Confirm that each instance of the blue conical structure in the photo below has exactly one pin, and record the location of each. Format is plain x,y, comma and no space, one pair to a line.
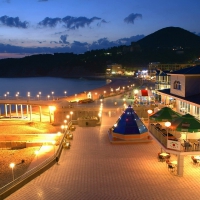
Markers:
129,123
129,126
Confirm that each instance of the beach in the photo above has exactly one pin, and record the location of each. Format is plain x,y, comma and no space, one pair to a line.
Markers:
8,156
27,127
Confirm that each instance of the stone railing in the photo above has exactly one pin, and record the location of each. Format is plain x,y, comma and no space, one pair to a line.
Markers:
19,182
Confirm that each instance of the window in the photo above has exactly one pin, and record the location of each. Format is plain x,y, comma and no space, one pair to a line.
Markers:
177,85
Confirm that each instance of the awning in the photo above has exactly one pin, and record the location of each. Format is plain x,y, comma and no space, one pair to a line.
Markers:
145,93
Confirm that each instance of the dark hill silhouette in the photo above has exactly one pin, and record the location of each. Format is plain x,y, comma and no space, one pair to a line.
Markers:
170,37
136,56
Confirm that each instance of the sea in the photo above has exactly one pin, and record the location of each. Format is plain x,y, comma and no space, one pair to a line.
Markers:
12,88
44,88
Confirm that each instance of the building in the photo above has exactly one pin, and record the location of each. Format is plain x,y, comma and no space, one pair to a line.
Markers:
184,97
184,92
153,66
115,69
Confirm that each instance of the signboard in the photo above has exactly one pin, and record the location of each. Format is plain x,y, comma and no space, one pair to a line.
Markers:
175,145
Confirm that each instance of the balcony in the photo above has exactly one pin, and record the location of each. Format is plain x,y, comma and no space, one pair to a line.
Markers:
174,144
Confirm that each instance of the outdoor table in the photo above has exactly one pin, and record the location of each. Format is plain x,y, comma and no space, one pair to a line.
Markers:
197,157
164,154
174,162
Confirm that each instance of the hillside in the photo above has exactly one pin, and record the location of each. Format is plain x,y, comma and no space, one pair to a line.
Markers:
170,37
168,45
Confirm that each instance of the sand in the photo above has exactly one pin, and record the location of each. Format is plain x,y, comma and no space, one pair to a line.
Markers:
16,156
26,127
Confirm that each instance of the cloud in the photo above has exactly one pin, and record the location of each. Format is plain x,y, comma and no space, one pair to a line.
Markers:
75,47
51,22
132,17
70,22
63,39
77,22
13,22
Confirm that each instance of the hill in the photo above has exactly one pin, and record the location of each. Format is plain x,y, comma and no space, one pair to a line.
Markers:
170,37
168,45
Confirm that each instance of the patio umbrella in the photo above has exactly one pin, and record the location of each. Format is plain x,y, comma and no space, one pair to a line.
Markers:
187,124
164,114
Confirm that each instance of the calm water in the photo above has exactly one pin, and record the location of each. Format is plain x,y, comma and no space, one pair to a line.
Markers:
45,85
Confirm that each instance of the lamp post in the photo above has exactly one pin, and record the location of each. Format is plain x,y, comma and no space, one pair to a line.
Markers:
28,94
149,113
53,142
71,113
65,93
52,95
12,165
167,124
36,153
67,118
40,96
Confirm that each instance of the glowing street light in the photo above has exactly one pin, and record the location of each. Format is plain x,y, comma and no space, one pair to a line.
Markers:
65,93
52,95
38,96
36,153
54,142
48,97
71,113
167,124
12,165
149,113
51,110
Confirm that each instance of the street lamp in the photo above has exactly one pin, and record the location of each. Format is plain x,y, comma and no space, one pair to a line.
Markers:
38,96
36,153
28,94
65,92
149,113
48,97
52,95
12,165
71,113
53,142
167,124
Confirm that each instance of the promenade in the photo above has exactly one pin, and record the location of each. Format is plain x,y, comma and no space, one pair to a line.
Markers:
94,168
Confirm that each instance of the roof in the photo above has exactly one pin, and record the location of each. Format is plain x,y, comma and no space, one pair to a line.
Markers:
129,123
193,98
162,73
188,70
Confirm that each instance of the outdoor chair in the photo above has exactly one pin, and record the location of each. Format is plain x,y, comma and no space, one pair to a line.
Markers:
195,162
167,162
161,158
171,167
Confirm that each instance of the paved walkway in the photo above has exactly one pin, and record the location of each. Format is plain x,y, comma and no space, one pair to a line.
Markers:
95,169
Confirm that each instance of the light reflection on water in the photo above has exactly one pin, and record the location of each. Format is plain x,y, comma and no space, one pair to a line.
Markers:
45,85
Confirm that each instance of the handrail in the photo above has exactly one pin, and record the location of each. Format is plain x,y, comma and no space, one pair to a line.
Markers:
32,173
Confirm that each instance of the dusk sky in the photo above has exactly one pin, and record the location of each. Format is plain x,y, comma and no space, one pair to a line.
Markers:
50,26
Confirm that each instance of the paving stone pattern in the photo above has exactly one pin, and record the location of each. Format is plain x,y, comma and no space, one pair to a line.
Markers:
95,169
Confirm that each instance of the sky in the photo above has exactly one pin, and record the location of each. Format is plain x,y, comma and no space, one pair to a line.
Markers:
60,26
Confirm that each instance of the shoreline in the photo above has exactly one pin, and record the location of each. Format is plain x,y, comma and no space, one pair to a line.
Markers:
7,156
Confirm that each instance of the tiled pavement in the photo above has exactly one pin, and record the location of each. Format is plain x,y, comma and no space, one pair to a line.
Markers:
95,169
